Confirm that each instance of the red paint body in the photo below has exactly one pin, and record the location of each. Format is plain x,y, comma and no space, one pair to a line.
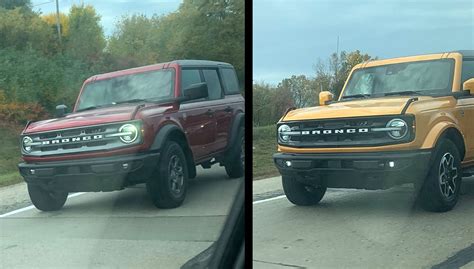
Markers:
206,135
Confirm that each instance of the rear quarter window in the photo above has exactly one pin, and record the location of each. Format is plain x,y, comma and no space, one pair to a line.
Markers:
467,69
231,84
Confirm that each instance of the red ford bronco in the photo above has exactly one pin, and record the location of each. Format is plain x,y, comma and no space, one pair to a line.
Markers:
152,124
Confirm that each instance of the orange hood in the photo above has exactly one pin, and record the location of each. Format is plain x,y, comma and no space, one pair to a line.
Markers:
366,107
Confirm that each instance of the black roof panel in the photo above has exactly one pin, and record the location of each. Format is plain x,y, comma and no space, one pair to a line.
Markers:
466,53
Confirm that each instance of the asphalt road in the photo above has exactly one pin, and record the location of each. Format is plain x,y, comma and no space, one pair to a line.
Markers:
115,229
360,229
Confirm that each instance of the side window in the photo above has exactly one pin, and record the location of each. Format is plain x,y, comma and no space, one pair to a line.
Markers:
213,83
189,77
467,69
230,81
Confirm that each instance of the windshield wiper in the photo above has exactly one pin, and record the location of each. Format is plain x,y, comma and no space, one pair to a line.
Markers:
90,108
137,100
404,93
359,95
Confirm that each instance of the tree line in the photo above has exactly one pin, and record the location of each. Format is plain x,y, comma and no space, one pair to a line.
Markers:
270,101
38,70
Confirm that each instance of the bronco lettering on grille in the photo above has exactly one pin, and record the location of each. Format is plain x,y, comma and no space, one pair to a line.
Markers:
337,131
72,139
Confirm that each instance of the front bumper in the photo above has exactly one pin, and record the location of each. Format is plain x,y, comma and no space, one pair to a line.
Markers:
95,174
374,170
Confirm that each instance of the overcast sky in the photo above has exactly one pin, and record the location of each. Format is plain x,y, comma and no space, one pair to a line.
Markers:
290,36
111,10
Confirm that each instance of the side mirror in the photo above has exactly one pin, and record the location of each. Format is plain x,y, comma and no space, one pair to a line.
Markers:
61,111
196,91
469,86
324,97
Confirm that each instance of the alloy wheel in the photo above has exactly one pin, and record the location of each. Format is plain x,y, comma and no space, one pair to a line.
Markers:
448,175
176,175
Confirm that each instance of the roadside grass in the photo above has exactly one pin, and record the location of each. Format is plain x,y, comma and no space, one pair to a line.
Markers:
264,146
9,155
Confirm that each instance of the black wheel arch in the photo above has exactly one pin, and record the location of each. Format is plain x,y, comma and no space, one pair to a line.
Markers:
171,132
238,122
456,137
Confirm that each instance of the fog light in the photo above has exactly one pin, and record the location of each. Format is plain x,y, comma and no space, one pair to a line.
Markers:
125,166
32,171
391,164
288,163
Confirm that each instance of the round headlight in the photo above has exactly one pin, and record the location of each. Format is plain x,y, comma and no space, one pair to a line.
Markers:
283,129
129,133
399,128
26,141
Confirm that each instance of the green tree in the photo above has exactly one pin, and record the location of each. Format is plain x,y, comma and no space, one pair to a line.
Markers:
24,30
12,4
206,29
86,37
341,65
135,41
302,90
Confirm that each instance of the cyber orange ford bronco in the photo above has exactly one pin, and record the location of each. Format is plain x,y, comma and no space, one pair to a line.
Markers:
396,121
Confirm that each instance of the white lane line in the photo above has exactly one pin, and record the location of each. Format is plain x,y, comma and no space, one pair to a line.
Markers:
31,206
269,199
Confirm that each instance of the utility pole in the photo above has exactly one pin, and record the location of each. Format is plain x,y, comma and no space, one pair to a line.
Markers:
58,25
337,57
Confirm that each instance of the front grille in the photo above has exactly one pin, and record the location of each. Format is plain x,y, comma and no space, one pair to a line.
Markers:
346,132
77,140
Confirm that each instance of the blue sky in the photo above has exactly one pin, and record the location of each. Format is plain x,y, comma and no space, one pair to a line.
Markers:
111,10
290,36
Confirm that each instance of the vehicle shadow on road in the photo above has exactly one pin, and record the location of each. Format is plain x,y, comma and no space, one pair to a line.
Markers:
210,186
397,200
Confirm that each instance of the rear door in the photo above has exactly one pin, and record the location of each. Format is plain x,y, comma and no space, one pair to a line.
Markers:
221,110
466,108
197,117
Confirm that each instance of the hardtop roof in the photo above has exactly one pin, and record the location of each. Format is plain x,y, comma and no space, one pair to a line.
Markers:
182,63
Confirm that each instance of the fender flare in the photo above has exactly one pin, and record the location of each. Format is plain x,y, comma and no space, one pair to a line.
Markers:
239,121
162,136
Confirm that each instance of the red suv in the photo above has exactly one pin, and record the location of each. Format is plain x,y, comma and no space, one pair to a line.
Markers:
152,124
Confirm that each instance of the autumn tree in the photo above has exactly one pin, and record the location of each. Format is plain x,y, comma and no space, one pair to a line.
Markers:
86,39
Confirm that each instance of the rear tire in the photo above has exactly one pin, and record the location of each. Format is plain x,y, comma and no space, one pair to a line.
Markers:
45,200
168,185
302,194
440,191
235,164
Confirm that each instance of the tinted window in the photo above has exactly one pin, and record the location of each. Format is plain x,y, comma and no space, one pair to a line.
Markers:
467,69
155,85
189,77
230,81
431,77
213,83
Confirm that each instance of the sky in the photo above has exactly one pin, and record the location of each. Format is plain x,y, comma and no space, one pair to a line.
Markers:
111,10
290,36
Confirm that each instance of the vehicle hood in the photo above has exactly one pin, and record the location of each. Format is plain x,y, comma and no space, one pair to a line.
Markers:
117,113
362,108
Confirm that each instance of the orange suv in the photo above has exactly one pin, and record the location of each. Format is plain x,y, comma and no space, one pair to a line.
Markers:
396,121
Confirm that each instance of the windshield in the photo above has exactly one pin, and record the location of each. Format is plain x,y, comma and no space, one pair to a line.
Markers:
153,86
423,78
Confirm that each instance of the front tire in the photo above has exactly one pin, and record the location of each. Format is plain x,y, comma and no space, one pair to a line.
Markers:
45,200
235,165
440,191
168,185
302,194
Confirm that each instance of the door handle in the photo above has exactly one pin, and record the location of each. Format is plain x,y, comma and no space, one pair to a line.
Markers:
228,109
210,112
